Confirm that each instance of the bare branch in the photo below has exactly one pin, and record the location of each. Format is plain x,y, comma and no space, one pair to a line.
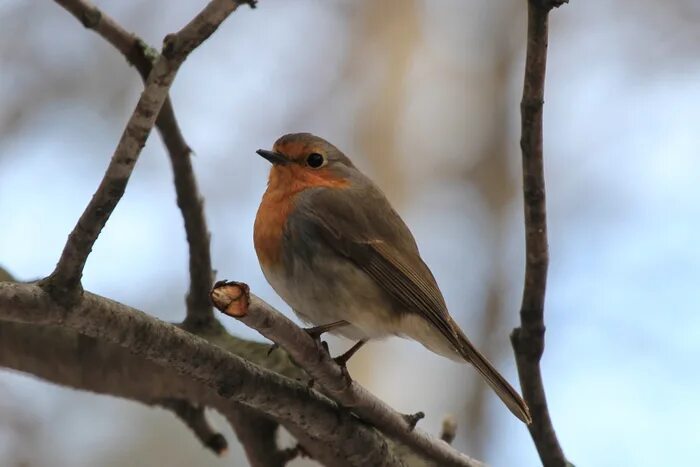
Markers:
235,300
223,373
138,54
528,339
199,309
64,357
64,281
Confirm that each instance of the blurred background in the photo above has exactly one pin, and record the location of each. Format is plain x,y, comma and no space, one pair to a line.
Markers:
424,96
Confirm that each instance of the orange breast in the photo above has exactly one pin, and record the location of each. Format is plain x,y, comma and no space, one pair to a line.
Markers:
284,184
269,226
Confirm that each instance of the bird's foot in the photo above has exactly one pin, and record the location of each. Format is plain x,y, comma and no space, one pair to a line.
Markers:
342,360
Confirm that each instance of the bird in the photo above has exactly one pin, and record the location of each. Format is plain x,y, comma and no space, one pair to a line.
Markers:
334,249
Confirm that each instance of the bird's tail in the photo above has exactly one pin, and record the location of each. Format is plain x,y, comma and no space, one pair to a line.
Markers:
498,383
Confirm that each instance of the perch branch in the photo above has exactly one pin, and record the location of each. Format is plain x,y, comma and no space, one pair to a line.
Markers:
64,281
528,339
234,299
224,374
139,55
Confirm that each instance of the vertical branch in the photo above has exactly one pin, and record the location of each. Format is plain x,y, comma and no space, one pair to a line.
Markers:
528,339
199,309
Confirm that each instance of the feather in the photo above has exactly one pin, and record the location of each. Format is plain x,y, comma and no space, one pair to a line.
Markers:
356,226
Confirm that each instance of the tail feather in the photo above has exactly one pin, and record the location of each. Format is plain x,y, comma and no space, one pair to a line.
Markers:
498,383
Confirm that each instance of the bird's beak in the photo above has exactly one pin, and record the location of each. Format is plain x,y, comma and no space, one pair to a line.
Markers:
274,157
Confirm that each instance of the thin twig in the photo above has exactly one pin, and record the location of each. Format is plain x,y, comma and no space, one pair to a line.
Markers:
234,299
194,417
64,282
258,434
227,375
528,339
142,57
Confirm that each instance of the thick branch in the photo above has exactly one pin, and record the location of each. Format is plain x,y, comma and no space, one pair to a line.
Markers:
64,282
235,300
223,373
64,357
528,339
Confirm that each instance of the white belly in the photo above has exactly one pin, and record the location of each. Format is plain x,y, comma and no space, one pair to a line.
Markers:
322,300
340,291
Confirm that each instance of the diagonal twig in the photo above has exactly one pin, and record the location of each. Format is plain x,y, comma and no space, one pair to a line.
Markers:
64,282
234,299
528,339
189,200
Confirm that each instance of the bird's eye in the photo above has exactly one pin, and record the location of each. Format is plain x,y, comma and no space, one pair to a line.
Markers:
315,160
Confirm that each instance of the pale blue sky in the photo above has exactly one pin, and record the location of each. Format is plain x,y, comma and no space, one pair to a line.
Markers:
623,174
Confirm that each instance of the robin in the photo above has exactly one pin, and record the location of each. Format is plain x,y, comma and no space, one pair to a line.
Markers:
334,249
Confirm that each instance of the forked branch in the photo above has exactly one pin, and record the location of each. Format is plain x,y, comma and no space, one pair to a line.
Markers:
64,282
189,200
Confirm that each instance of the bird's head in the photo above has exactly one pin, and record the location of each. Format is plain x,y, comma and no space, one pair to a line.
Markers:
302,160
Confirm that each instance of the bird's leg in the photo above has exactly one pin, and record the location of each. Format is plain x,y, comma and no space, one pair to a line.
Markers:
316,331
342,360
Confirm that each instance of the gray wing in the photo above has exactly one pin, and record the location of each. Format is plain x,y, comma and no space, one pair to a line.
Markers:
365,229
